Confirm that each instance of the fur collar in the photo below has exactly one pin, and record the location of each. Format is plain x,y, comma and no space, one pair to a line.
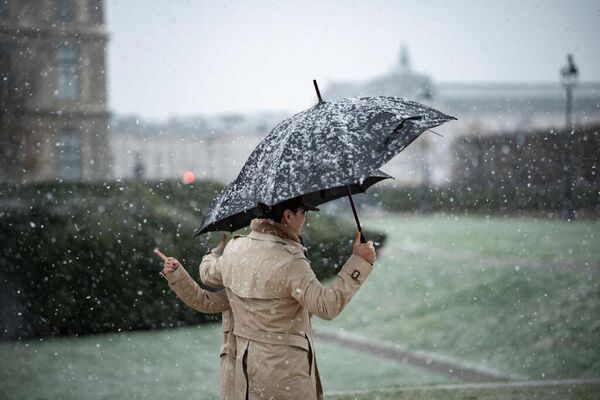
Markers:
271,227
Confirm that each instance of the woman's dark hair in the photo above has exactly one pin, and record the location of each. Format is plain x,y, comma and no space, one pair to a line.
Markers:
275,212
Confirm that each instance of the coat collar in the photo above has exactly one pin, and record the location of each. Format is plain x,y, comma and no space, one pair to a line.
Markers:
270,227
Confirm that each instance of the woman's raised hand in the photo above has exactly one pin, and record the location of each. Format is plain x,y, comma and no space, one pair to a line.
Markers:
170,264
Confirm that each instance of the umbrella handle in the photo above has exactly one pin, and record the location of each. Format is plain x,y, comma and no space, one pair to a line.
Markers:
362,236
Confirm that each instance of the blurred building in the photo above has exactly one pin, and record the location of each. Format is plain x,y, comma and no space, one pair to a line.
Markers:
216,147
53,108
481,109
529,160
213,148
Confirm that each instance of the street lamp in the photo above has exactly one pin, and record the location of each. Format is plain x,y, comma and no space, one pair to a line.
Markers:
568,75
425,202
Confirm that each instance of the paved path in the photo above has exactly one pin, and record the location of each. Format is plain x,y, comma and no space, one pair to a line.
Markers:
450,368
578,389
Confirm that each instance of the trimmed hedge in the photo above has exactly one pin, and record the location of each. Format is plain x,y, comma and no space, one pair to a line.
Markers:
489,201
77,258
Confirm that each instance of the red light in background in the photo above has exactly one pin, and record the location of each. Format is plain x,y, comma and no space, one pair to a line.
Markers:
188,177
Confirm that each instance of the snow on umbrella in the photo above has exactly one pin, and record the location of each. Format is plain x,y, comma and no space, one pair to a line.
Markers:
321,154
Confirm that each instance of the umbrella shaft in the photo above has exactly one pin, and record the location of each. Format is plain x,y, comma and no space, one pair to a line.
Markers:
318,91
362,236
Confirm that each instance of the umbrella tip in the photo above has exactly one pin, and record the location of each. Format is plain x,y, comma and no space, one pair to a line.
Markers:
317,90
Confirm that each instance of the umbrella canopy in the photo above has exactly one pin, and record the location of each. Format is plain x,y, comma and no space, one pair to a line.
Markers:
232,210
318,153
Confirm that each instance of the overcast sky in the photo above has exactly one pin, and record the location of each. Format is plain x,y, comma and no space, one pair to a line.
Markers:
179,57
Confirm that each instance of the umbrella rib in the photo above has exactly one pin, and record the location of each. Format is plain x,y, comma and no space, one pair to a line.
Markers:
431,130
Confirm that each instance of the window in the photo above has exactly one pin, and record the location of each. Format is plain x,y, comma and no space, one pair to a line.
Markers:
4,66
67,76
3,9
63,10
96,11
69,155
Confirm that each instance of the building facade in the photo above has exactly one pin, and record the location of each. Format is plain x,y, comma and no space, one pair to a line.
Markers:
481,109
213,148
53,91
216,147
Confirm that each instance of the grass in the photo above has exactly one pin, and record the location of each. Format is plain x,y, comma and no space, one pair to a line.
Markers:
442,286
180,363
528,238
173,364
519,296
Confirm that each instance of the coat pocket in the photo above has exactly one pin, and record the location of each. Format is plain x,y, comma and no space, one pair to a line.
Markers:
302,357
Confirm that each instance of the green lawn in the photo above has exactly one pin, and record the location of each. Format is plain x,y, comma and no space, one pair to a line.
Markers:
520,296
175,364
180,363
529,238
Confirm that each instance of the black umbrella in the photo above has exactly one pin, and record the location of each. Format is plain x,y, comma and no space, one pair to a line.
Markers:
322,153
238,203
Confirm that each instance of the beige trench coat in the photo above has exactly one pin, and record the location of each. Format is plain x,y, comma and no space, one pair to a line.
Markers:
188,290
273,292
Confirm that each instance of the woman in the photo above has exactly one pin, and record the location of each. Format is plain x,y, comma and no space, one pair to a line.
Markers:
188,290
273,292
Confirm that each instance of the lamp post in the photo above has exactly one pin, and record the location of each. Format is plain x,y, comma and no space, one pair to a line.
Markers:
568,75
425,202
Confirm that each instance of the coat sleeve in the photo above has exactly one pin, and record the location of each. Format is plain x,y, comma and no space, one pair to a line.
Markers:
326,302
188,291
210,269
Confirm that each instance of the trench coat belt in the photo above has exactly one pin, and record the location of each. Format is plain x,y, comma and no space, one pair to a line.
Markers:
288,339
